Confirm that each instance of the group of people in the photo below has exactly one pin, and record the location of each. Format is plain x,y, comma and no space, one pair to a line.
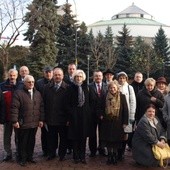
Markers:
109,111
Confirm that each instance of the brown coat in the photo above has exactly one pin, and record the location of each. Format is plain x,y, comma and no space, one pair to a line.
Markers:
31,111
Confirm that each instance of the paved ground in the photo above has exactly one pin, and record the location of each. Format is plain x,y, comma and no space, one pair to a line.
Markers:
98,163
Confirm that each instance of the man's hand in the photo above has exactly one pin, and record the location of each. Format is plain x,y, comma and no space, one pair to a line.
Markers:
16,125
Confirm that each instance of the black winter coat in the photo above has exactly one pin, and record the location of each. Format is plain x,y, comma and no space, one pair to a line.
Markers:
111,130
55,113
79,117
144,99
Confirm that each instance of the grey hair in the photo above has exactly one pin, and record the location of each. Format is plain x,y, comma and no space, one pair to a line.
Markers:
77,72
27,77
12,70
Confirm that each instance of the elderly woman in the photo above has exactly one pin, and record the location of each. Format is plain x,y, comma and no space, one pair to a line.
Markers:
162,85
78,111
114,120
149,95
149,132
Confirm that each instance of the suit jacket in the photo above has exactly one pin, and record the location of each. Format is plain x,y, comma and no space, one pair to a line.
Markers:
96,101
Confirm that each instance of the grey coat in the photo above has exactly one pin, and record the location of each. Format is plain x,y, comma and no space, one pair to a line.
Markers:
166,114
144,137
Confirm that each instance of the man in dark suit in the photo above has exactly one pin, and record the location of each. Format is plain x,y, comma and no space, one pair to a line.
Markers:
55,115
40,86
97,90
68,78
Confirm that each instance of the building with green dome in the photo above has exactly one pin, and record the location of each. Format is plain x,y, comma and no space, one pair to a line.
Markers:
138,22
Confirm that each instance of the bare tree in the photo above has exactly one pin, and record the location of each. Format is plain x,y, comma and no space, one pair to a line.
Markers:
11,23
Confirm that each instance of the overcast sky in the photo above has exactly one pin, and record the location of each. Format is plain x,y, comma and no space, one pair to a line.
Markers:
91,11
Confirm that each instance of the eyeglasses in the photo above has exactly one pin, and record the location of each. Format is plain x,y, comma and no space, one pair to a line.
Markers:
30,82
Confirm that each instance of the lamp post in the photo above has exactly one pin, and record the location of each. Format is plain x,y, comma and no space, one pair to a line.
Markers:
75,34
88,70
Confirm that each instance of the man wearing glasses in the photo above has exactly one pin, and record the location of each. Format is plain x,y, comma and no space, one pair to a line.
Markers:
27,113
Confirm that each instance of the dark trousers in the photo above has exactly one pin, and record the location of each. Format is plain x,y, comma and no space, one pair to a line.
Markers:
93,138
53,132
44,140
79,149
26,143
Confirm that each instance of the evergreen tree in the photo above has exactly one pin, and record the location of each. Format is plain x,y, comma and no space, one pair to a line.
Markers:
67,37
42,21
161,46
109,50
83,46
144,58
162,50
124,50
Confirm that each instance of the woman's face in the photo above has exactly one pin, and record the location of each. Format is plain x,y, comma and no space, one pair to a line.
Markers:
113,89
150,113
150,86
79,78
161,86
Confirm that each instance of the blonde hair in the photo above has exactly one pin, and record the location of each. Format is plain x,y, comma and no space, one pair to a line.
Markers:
150,81
114,82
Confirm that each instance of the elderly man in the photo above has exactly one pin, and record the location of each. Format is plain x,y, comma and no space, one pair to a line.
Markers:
27,113
8,87
55,115
23,71
40,86
97,90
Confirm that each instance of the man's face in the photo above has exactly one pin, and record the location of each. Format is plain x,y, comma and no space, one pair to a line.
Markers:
58,75
12,77
98,77
48,75
24,71
29,83
71,69
109,77
138,77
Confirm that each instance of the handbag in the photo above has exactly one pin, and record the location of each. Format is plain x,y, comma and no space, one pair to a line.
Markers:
161,154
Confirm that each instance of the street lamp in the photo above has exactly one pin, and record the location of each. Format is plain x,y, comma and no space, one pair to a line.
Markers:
75,35
88,70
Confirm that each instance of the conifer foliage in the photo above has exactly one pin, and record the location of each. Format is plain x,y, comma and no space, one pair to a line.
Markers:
42,21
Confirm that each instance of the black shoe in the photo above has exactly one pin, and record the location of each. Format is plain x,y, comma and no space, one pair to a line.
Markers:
83,161
49,158
62,159
114,159
31,161
22,163
76,161
7,158
102,152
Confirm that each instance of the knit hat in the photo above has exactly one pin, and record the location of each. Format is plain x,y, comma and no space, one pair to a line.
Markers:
122,73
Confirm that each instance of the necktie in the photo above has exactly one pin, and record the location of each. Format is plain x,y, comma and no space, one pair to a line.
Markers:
98,90
31,93
56,87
